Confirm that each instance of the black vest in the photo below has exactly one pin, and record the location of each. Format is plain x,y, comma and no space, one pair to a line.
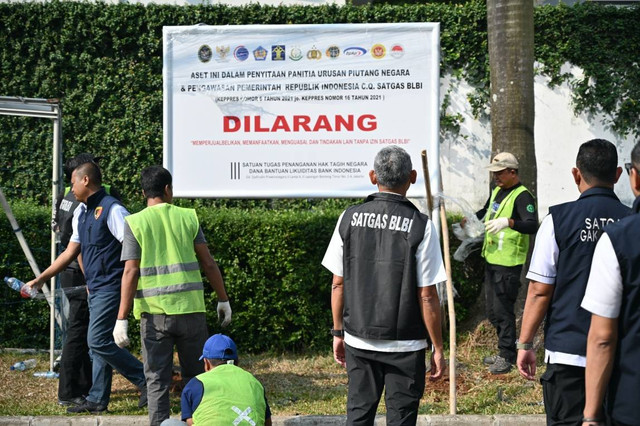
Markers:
381,237
64,217
577,226
622,397
100,249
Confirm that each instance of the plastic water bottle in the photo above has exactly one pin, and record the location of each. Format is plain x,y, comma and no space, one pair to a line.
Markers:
24,365
46,374
17,285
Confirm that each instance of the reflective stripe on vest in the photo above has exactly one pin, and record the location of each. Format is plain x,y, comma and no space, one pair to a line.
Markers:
170,281
231,396
508,247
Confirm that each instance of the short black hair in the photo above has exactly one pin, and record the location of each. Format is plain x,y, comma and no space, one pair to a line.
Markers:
597,161
72,163
154,179
635,156
91,170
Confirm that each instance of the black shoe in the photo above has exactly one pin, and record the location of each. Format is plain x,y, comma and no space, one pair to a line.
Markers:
88,407
78,400
500,366
143,401
488,360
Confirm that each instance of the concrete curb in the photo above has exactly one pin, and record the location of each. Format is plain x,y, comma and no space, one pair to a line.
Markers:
423,420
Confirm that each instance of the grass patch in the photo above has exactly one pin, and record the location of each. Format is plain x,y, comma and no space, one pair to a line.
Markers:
303,385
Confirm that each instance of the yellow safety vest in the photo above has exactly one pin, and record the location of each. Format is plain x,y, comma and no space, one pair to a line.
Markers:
508,247
231,396
170,281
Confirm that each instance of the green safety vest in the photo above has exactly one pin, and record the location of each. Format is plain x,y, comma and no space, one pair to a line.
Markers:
231,396
508,247
170,281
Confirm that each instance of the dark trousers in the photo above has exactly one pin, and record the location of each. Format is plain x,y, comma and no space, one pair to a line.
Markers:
159,334
501,291
401,374
563,391
75,363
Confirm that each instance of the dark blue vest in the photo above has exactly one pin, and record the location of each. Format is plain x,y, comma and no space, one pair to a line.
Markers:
381,237
100,249
577,226
624,385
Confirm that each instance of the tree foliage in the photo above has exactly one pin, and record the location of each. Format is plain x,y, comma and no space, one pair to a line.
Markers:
104,62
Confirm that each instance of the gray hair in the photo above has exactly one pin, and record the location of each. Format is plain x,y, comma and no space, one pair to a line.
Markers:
392,166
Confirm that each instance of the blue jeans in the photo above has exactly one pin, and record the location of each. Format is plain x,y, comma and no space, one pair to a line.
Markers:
103,312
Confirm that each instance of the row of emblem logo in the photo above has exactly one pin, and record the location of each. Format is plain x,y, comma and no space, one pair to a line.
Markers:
280,52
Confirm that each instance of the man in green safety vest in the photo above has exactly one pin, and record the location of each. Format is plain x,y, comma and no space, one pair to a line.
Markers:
510,216
163,250
225,394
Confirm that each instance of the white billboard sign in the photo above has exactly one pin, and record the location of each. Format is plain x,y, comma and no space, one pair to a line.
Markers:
266,111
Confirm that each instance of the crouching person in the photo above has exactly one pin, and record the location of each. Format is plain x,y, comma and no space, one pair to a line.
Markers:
224,394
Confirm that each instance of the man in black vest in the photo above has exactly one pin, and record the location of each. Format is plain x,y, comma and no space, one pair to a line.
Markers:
386,261
75,362
98,228
613,298
558,272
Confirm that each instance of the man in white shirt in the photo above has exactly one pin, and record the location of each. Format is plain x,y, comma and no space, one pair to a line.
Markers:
558,272
386,262
613,298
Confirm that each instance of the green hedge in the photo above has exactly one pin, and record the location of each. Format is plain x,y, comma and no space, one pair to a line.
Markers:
104,62
24,323
270,261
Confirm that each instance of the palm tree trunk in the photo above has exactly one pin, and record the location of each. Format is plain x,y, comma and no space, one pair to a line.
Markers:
510,34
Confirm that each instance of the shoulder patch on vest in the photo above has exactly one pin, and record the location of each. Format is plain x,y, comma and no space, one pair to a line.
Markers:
97,212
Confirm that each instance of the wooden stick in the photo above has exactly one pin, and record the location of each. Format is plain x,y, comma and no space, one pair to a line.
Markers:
450,304
427,180
452,309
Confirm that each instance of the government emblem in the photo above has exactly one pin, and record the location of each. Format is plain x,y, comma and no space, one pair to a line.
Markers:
205,53
97,212
314,53
260,53
278,52
354,51
240,53
223,53
295,54
378,51
396,51
333,51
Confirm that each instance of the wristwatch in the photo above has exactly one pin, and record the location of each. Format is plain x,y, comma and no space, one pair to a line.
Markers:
337,333
526,346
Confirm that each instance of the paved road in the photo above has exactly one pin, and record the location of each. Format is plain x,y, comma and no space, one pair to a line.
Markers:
498,420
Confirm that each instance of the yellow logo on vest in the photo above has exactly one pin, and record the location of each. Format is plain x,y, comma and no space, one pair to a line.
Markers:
98,212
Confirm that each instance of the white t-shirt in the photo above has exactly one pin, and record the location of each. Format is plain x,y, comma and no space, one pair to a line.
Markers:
115,221
543,268
603,296
430,271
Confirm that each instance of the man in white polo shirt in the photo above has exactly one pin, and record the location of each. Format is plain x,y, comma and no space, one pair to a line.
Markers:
613,298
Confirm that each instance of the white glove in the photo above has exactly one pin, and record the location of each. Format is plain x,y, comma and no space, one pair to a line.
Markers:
120,333
224,311
496,225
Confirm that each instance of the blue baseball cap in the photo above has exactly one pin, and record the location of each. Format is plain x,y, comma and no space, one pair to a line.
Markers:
219,346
